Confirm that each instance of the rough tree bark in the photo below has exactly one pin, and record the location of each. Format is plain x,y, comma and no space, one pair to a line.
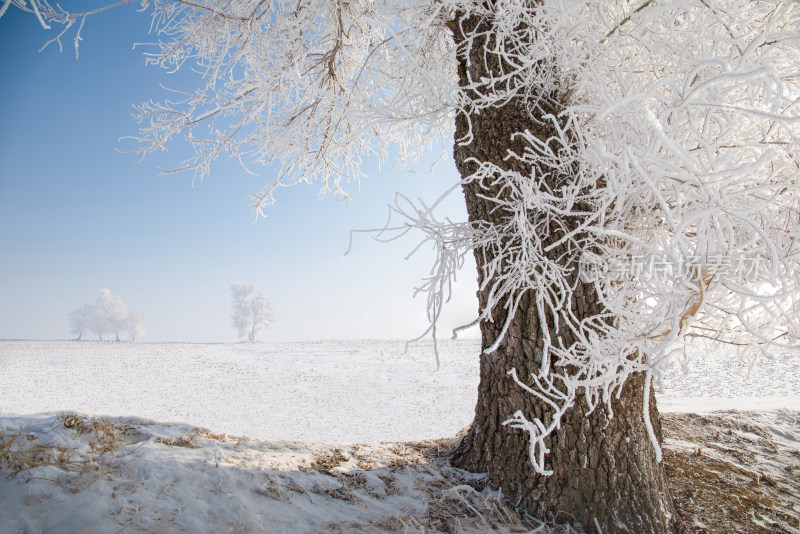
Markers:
605,471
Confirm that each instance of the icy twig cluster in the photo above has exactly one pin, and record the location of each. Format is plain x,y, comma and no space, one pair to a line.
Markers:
46,14
314,87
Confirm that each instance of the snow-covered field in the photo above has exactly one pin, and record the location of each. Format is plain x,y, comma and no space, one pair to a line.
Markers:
148,467
354,391
331,391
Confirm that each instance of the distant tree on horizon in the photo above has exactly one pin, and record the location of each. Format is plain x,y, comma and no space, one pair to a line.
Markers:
135,324
252,311
115,310
79,319
96,321
108,313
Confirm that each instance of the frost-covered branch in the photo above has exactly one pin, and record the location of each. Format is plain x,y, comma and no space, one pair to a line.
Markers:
46,14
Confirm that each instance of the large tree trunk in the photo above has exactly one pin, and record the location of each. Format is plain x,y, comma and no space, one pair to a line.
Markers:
605,473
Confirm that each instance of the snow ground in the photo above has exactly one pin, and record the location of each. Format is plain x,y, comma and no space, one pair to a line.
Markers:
150,468
335,392
332,391
734,472
74,474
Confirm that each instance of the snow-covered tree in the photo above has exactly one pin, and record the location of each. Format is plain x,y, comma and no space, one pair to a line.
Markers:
629,169
115,311
135,324
80,319
252,311
106,314
97,322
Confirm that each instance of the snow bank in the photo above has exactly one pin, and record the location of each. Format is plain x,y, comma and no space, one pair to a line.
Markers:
69,473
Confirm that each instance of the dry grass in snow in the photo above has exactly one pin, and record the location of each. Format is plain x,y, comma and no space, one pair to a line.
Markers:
733,472
70,473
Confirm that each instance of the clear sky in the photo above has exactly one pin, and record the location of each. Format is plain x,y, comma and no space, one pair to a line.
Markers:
77,215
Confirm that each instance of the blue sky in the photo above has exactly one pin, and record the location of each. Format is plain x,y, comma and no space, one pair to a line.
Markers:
77,215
